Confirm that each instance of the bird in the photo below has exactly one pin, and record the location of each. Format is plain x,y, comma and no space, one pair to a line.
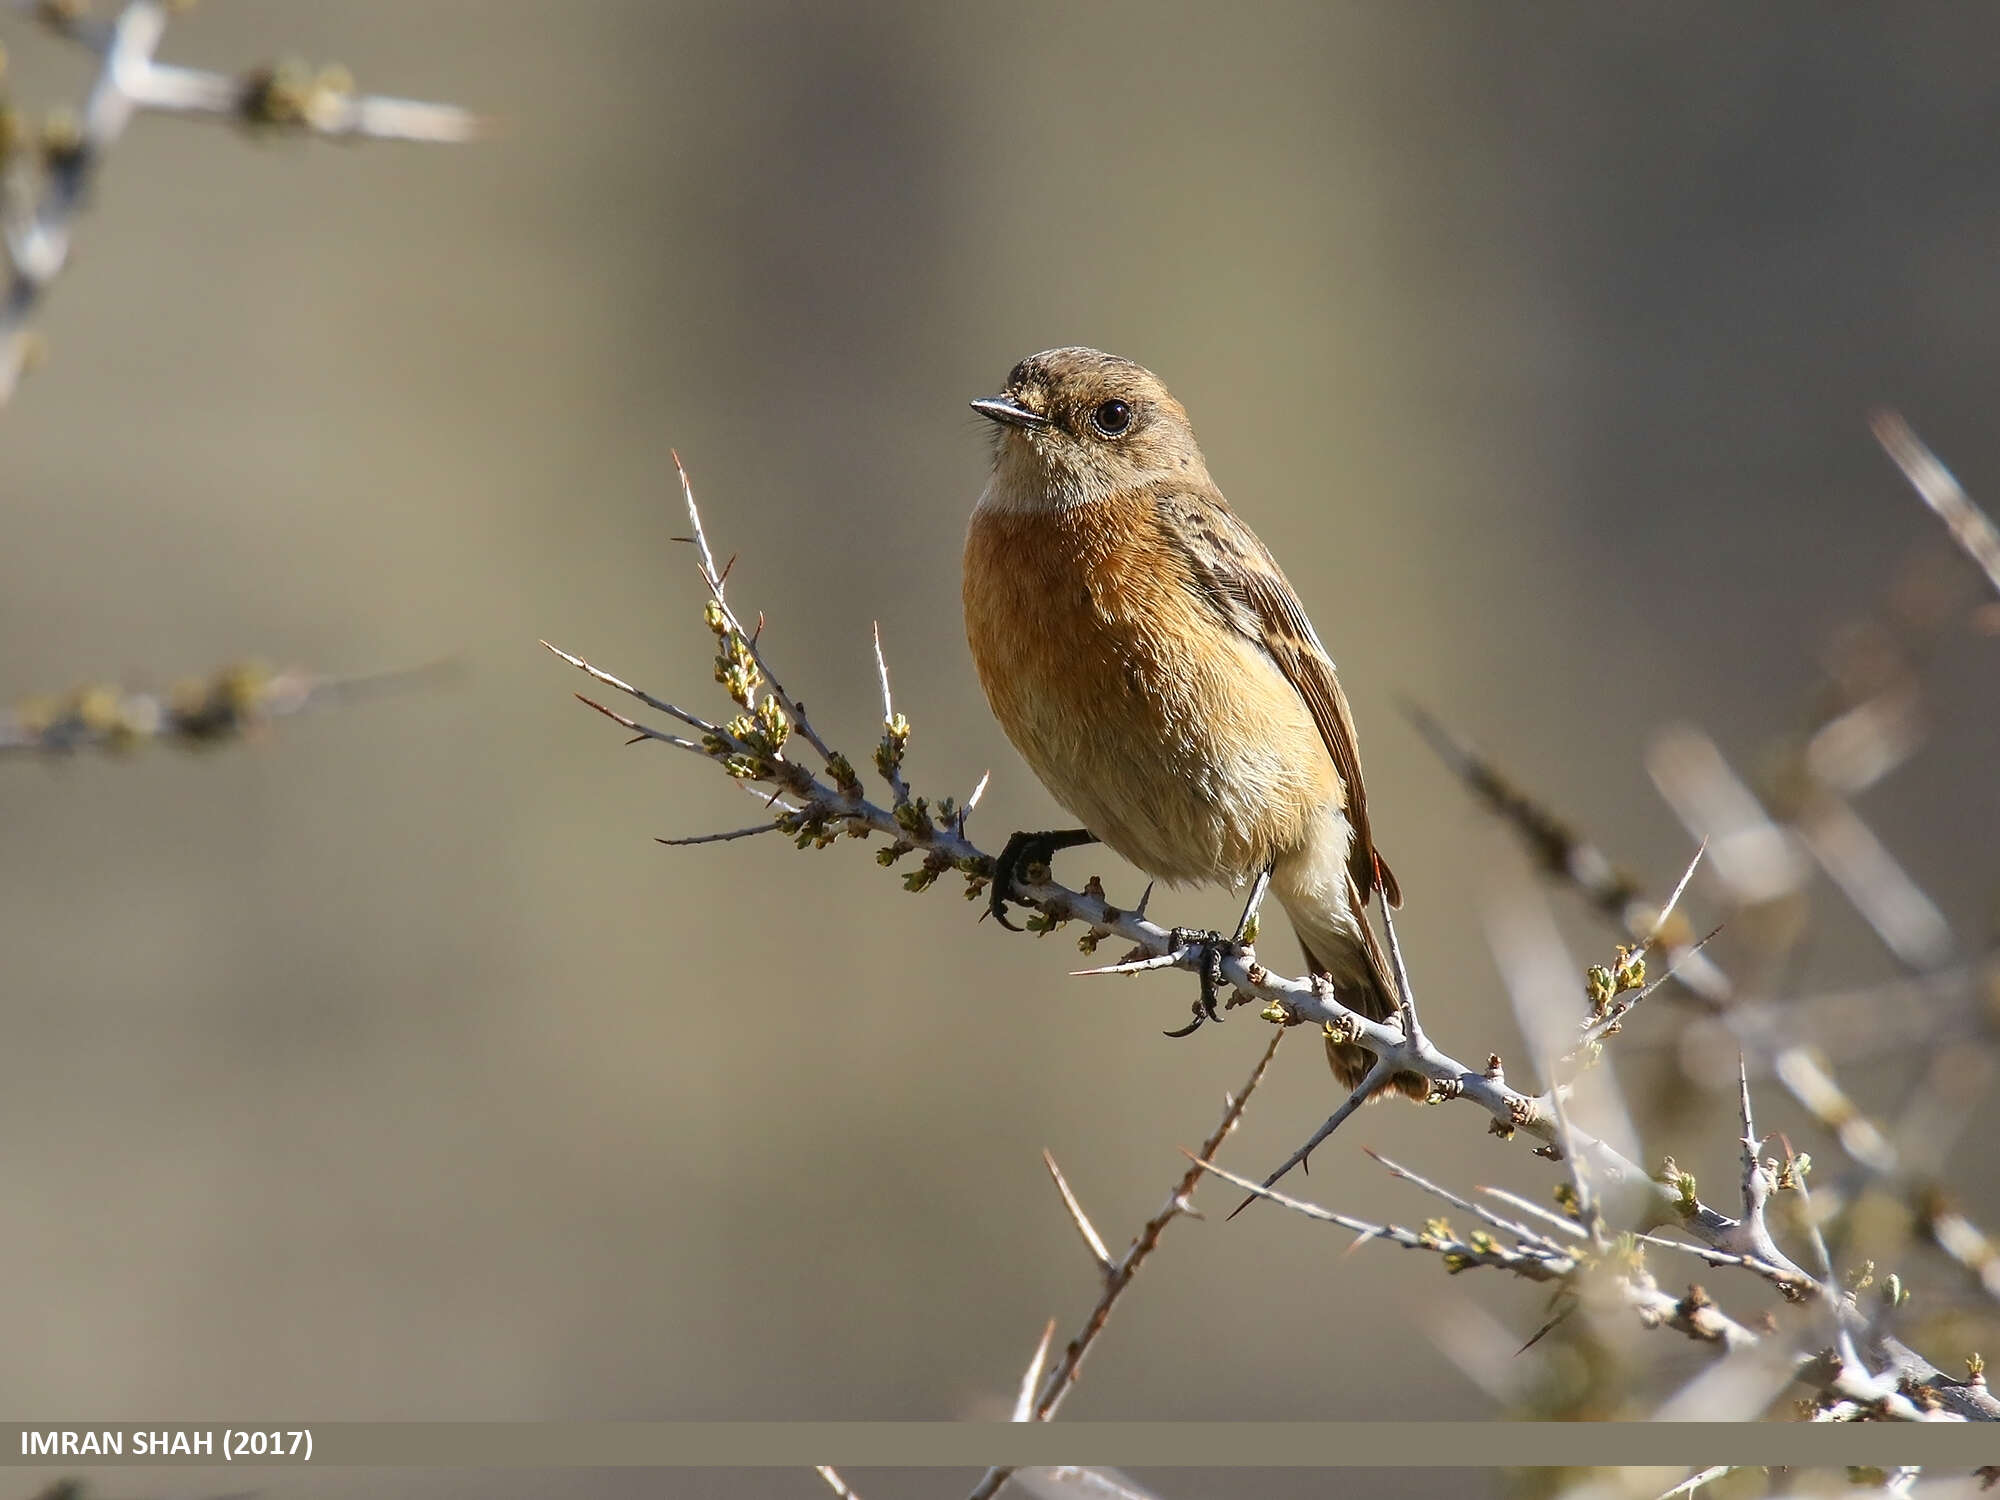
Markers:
1147,657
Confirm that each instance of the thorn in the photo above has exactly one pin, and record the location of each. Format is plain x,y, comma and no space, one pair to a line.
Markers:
1024,1404
722,838
882,671
1546,1328
1091,1239
1660,922
1132,966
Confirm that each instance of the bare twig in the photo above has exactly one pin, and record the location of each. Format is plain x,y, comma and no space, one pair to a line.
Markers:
1533,1256
1967,523
1518,1230
1695,1481
1795,1173
1118,1276
715,579
1536,1262
1568,1226
1751,1236
1579,1171
693,721
1627,1001
1377,1075
1179,1202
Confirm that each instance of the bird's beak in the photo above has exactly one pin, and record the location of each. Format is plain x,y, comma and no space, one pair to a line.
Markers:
1009,412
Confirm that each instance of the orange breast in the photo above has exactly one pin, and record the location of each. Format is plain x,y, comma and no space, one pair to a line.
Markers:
1171,738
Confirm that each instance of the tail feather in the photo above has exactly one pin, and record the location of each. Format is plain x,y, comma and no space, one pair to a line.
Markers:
1320,891
1383,879
1363,982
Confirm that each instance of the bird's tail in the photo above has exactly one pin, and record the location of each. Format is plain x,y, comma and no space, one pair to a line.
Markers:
1347,955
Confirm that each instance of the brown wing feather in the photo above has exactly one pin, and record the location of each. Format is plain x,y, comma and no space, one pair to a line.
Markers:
1236,573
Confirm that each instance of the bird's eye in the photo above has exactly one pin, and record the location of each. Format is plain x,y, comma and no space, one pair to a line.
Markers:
1111,418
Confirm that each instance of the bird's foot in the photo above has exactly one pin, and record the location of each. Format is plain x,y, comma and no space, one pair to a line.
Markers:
1024,851
1213,949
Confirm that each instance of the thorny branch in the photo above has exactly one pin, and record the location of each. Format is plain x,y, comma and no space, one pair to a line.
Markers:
818,808
1535,1256
46,173
1868,720
1800,1067
1617,1274
817,805
1118,1274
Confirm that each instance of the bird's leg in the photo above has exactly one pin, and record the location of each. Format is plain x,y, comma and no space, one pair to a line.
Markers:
1023,852
1214,948
1258,887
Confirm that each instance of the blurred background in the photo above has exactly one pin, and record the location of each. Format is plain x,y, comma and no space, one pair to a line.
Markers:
387,1067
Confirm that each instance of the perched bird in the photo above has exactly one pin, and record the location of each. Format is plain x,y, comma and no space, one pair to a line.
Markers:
1150,662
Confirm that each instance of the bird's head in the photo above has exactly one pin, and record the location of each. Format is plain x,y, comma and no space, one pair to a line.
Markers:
1076,425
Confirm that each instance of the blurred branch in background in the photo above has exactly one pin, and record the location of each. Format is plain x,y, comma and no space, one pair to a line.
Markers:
1870,716
46,171
1840,1344
1969,527
231,704
47,167
1783,1037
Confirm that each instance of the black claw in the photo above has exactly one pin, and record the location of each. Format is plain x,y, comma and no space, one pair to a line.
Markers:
1024,850
1003,878
1214,946
1192,1027
1211,978
997,899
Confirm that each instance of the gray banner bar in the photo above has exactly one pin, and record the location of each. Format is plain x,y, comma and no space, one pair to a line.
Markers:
975,1444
